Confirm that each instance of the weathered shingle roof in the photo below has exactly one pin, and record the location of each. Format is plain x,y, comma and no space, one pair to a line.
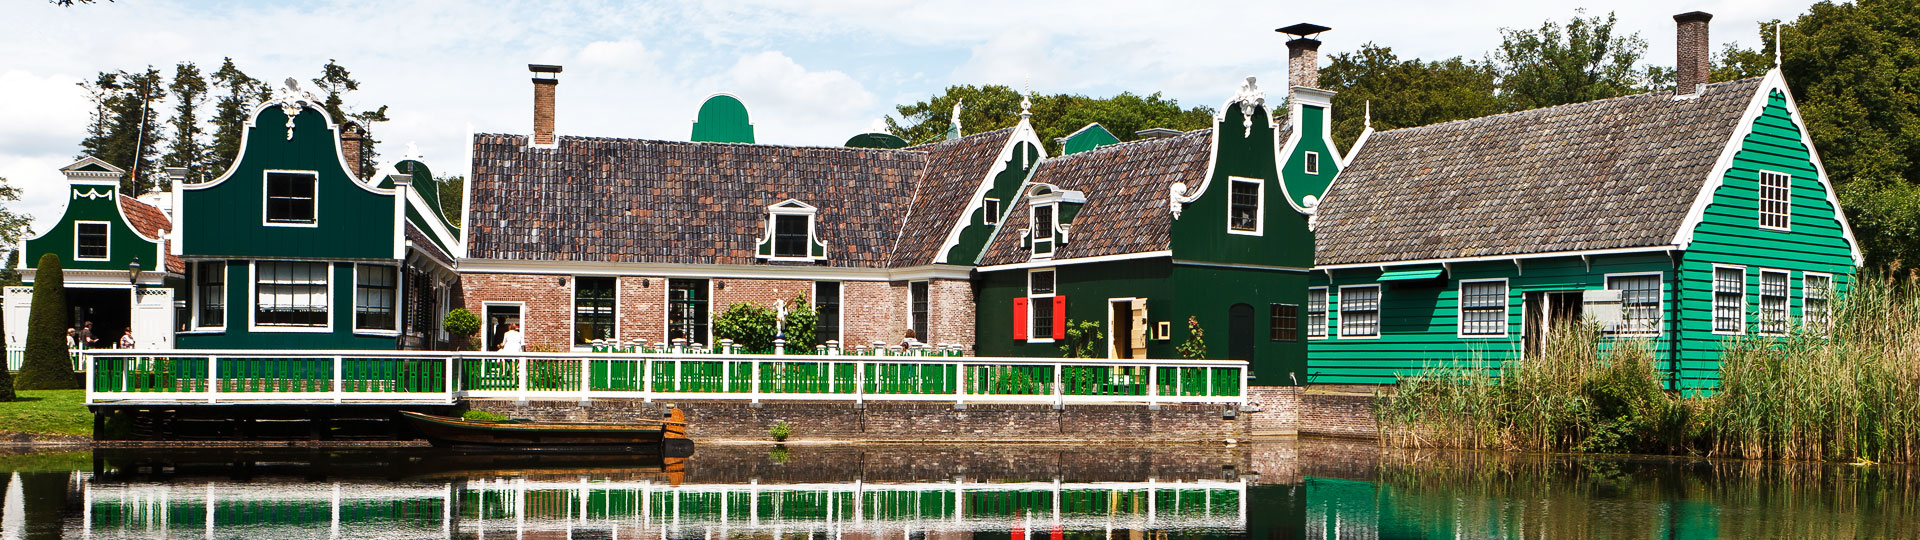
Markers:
954,171
1613,173
1126,188
424,242
149,221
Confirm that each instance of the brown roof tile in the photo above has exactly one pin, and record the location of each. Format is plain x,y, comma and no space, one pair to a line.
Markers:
954,171
150,221
1126,187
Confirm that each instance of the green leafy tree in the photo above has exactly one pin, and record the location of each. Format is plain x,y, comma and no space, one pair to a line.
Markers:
800,324
1403,93
1083,340
187,148
230,111
9,276
461,323
991,107
46,366
12,225
452,190
1559,64
135,130
1195,347
749,325
335,81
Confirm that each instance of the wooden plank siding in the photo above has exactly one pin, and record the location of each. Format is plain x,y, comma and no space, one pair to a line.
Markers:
1729,234
1420,322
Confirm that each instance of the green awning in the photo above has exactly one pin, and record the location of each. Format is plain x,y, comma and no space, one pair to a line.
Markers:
1410,274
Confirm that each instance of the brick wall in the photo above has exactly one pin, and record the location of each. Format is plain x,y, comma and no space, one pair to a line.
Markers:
643,309
1343,415
950,311
1279,413
869,313
547,315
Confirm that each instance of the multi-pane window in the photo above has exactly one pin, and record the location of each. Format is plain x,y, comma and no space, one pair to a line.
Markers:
290,197
1729,300
918,291
1317,312
90,240
1040,304
592,309
1043,229
687,310
210,290
1312,162
290,294
1360,311
1639,303
1816,302
790,235
373,292
1775,200
1483,308
1773,302
1283,322
826,305
1243,211
993,211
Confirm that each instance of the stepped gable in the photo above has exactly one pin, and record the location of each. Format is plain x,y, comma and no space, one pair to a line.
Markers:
955,169
1613,173
1126,186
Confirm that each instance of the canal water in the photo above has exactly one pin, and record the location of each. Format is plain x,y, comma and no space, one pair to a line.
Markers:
1279,490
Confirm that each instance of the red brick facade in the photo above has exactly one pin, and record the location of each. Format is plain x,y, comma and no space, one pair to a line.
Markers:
548,304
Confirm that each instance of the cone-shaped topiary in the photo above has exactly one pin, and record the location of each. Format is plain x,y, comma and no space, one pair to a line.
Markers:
46,366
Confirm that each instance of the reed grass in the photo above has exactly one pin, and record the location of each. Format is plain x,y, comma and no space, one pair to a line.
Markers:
1849,392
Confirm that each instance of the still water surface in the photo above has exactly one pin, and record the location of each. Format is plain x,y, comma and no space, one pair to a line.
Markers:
1294,489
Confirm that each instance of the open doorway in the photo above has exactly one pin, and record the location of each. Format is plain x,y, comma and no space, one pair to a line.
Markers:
108,309
1121,318
1546,310
497,318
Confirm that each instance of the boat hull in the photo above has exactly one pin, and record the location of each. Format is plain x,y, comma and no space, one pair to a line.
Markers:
459,432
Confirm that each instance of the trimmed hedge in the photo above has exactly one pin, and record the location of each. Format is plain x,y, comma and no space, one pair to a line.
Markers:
46,366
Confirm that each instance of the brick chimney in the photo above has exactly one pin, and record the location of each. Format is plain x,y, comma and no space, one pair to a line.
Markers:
545,78
1303,54
353,142
1690,51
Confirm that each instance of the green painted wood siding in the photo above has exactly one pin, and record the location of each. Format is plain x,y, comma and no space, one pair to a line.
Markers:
123,244
1730,234
1006,187
226,218
1200,234
1419,321
237,334
1312,131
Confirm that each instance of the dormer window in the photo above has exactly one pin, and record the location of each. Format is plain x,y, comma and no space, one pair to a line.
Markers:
1043,230
290,197
90,240
992,207
791,233
1244,205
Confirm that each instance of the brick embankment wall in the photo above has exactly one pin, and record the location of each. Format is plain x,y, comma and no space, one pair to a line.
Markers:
886,463
910,422
1337,414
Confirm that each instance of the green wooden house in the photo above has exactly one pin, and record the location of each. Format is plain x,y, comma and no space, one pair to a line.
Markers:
1680,218
1138,237
292,248
113,256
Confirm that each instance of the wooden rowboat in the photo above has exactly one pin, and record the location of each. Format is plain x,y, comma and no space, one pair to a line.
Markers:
668,435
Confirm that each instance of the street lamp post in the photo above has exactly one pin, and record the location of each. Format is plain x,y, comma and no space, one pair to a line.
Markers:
133,294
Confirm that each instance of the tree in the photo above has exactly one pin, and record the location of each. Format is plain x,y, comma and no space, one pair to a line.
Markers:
230,113
46,366
1083,340
452,189
1581,61
800,324
336,82
991,107
126,127
1403,93
749,325
186,149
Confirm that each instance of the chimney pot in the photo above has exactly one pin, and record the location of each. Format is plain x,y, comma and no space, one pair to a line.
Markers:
353,142
1303,55
545,79
1691,52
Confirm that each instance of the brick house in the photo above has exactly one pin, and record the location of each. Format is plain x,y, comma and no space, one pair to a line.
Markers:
584,238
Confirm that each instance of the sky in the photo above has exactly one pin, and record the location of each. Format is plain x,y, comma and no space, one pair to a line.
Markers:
811,73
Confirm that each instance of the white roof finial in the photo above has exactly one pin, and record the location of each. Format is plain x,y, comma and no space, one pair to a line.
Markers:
956,110
1776,44
1368,123
1026,101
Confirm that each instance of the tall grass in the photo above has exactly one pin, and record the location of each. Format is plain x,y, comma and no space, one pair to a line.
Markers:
1851,393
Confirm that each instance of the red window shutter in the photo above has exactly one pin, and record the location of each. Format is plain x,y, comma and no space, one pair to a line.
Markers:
1059,317
1020,319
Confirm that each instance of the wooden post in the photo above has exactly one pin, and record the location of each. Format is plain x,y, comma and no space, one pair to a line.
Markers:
213,378
337,383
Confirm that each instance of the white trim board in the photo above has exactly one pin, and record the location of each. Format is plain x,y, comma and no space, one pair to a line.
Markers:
1077,260
1495,258
1022,133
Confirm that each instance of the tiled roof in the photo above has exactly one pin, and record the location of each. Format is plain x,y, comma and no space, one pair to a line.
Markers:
150,221
954,171
627,200
1126,186
1613,173
423,242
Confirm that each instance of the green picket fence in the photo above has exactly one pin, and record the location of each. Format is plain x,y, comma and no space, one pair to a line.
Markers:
412,375
275,375
1010,380
501,374
149,374
1104,380
1199,381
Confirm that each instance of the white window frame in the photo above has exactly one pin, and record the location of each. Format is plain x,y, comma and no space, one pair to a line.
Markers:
266,176
791,207
398,301
840,312
1033,223
666,311
109,235
1311,162
1761,200
573,306
1326,326
193,290
1660,310
1460,309
1713,286
1259,205
1786,303
991,208
1032,311
1380,301
253,300
1825,325
926,337
486,330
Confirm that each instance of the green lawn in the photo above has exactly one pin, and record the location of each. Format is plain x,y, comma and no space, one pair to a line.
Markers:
58,412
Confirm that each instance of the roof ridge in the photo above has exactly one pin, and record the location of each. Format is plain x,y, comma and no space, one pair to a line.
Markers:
1105,148
1542,110
693,143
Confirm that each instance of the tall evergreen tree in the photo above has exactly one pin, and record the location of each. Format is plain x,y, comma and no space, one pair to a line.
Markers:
126,125
46,366
230,112
187,149
336,82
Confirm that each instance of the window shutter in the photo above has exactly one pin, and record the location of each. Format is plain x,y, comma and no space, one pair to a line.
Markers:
1020,319
1139,337
1059,317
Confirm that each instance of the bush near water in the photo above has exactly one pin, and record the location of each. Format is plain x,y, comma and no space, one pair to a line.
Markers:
1850,394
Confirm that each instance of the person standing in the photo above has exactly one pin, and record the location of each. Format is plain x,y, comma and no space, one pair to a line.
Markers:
86,335
126,339
512,340
73,338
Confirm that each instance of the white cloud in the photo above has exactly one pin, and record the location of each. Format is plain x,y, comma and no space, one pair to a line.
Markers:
625,54
793,104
